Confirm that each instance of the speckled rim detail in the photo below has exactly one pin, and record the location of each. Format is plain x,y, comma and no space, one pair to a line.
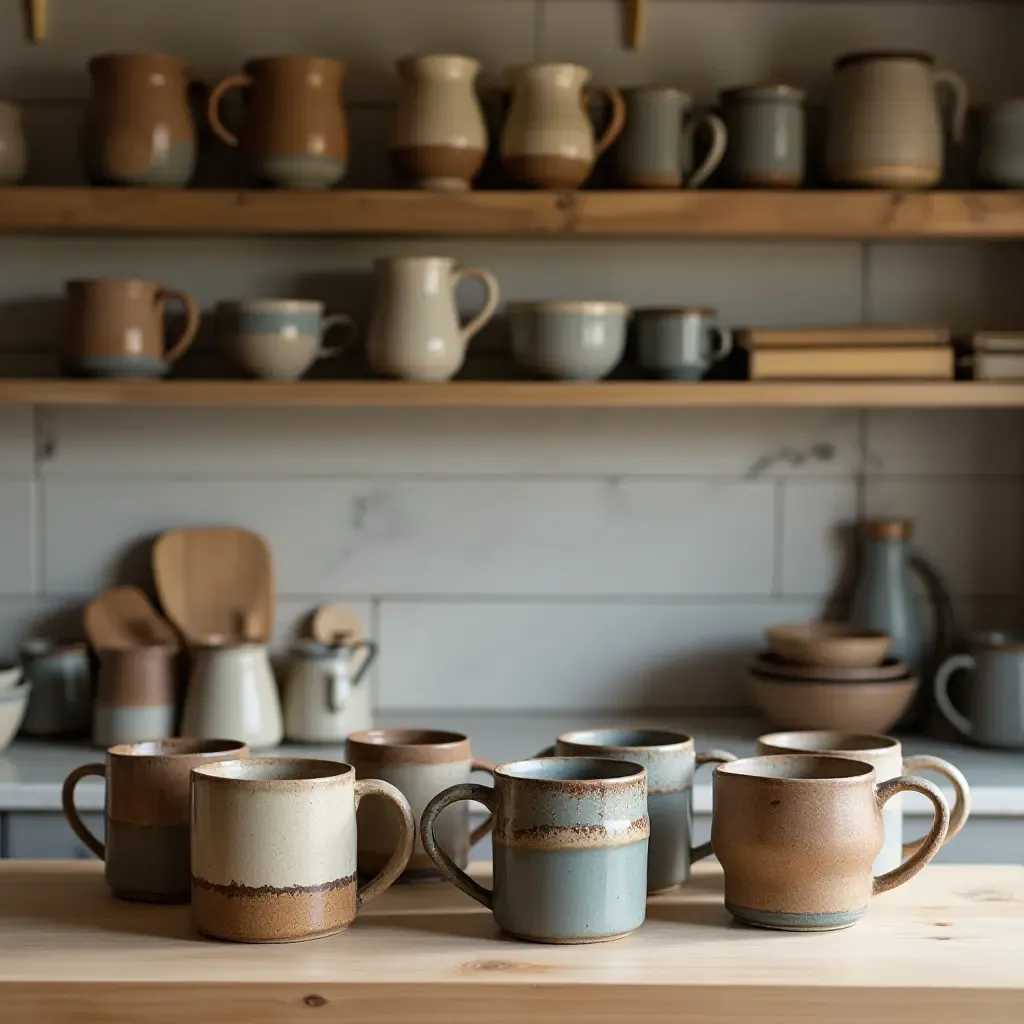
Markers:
596,772
408,746
181,746
575,837
828,741
626,740
799,769
796,922
275,772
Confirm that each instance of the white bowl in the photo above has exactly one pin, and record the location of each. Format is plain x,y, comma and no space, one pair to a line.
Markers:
10,676
13,705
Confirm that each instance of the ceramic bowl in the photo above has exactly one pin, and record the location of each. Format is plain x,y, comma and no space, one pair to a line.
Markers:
10,676
768,663
850,707
837,644
13,705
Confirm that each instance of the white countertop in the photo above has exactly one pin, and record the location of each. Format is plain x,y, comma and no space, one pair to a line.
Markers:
31,773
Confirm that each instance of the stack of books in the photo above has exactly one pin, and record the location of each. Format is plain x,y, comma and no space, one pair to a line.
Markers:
849,353
996,355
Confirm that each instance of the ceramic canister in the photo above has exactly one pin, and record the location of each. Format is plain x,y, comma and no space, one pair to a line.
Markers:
767,136
885,755
1001,144
146,854
681,343
797,835
60,703
421,763
274,848
670,760
135,695
570,847
13,150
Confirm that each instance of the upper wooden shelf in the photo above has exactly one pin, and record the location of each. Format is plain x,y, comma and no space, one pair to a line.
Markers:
668,214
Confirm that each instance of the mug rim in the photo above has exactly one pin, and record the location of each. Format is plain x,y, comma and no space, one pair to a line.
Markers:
409,58
82,282
591,307
328,772
619,773
763,89
187,746
680,741
273,305
987,640
848,770
838,741
678,310
388,739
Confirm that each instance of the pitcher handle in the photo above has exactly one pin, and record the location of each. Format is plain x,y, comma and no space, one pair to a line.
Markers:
188,335
957,663
618,119
942,601
961,790
466,791
490,282
370,646
238,81
67,799
407,834
330,322
719,141
958,87
708,757
723,343
481,764
932,842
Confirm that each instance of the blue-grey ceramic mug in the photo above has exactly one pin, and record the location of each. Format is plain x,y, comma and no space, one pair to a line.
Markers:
767,136
570,847
670,760
1001,144
568,340
681,343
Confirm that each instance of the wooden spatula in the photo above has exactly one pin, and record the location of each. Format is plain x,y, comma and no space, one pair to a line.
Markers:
122,617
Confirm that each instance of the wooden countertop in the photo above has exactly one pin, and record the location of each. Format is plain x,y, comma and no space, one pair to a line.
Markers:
947,947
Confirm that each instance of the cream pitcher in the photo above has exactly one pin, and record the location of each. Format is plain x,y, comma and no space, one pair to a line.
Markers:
885,126
415,332
548,140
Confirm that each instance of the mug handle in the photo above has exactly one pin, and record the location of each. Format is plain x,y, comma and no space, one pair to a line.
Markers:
239,81
618,119
466,791
931,843
188,335
722,343
709,757
403,851
961,790
957,663
719,141
330,322
67,799
493,297
481,764
957,86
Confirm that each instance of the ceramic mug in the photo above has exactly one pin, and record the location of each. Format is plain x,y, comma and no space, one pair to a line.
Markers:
146,856
670,760
885,755
570,847
274,848
767,136
681,343
1001,144
13,150
60,703
136,695
280,339
116,328
797,835
421,763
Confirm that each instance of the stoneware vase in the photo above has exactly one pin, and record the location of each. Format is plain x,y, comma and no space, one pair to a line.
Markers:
415,332
60,703
548,140
135,695
295,133
885,755
570,847
440,136
670,760
138,127
274,848
797,835
421,763
13,150
767,136
681,343
146,855
884,123
1001,144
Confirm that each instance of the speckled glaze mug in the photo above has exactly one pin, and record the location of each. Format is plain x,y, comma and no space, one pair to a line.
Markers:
274,848
797,835
570,847
670,760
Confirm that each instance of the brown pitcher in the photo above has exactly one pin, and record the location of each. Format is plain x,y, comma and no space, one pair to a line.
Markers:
138,127
295,133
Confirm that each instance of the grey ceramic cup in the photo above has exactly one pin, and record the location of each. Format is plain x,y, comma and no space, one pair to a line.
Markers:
655,149
995,699
61,700
279,339
568,340
680,344
570,847
1001,144
670,760
767,136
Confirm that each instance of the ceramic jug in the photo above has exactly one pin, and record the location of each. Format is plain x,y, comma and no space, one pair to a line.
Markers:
323,699
60,702
415,332
440,137
548,140
138,127
13,151
884,125
232,693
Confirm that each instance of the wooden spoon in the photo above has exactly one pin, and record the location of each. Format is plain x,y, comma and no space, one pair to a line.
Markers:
122,617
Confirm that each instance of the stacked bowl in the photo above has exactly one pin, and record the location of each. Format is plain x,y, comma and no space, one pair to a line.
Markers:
14,691
830,675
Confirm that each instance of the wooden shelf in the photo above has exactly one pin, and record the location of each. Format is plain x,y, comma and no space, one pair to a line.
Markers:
515,394
667,214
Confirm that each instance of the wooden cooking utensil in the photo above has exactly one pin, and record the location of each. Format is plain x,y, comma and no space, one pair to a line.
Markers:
216,582
38,17
122,617
636,23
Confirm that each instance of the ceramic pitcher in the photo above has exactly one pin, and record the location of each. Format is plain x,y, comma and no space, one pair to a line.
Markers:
13,152
548,140
138,127
885,126
415,332
440,136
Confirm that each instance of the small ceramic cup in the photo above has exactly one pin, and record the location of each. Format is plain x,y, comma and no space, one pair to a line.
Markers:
136,695
147,808
274,848
1001,144
61,700
681,343
279,339
420,763
797,835
767,136
570,847
670,760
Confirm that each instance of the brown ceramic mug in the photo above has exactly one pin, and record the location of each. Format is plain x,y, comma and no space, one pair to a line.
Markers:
115,328
797,835
147,809
136,695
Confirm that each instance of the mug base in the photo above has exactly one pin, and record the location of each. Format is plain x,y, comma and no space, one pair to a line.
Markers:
140,896
587,940
269,942
782,922
663,890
